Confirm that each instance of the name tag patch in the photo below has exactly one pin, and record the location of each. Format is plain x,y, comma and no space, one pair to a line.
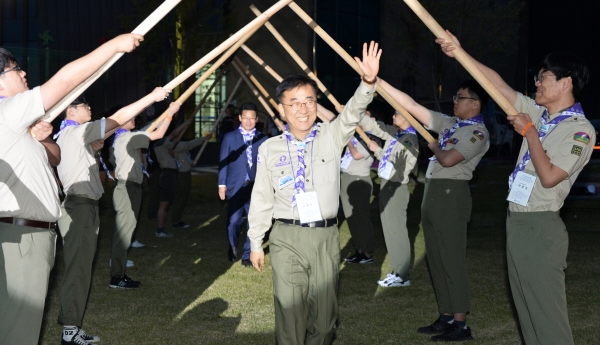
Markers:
576,150
285,181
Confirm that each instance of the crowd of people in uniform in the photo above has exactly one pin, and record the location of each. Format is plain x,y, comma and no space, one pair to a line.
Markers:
291,185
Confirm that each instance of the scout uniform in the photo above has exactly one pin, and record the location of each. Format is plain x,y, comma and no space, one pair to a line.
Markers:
184,177
537,240
356,187
305,258
168,166
29,208
127,196
396,160
80,222
446,209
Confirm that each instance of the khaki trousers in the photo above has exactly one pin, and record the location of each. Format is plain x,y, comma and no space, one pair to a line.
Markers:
26,259
127,199
78,225
393,202
445,212
306,266
536,251
355,194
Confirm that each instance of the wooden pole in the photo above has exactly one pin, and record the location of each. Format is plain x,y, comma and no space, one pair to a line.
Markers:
262,101
308,72
141,29
197,109
338,49
463,58
262,63
256,83
214,128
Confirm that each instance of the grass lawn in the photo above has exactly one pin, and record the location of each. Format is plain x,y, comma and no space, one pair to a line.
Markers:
191,294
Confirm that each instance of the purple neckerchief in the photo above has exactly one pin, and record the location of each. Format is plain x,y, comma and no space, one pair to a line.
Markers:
2,97
65,124
348,153
301,146
448,133
386,156
117,134
248,141
545,129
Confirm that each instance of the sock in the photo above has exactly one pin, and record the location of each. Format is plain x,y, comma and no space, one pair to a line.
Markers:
461,324
447,318
69,332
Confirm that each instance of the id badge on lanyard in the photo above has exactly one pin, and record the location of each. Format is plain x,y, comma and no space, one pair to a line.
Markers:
308,207
521,188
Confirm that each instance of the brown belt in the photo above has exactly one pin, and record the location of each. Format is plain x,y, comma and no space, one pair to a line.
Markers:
30,223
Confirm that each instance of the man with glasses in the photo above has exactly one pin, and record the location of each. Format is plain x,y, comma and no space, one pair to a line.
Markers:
29,204
237,171
558,142
298,184
446,208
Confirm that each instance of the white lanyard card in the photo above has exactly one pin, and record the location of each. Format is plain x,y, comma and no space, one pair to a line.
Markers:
521,188
308,207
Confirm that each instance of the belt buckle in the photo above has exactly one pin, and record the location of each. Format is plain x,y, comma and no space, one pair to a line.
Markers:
312,224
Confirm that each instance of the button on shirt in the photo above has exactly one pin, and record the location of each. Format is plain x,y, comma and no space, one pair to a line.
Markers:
322,173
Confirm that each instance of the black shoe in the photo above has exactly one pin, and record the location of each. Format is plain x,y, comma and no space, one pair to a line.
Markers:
437,327
246,263
78,338
181,225
454,333
123,282
359,258
232,254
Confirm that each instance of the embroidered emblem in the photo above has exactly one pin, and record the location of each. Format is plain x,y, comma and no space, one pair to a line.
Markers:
582,137
473,140
282,161
478,134
576,150
452,141
282,158
258,159
407,143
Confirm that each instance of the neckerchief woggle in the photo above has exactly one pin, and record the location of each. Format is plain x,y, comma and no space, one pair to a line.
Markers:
248,141
117,134
446,135
68,123
301,146
386,156
545,129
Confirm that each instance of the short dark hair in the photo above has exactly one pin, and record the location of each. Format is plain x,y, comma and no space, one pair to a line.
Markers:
77,101
249,106
565,64
293,82
6,59
476,91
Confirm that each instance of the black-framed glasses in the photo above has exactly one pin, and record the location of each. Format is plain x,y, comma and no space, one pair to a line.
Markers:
457,98
84,105
540,77
297,105
16,68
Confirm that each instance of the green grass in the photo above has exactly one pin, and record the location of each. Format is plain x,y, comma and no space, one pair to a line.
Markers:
191,294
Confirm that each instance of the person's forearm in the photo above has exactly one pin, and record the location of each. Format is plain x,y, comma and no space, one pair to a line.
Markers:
127,113
354,152
160,131
549,174
415,109
328,115
52,150
496,79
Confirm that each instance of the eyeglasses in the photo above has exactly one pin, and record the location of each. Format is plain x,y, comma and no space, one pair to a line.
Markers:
540,77
85,106
16,68
297,105
457,98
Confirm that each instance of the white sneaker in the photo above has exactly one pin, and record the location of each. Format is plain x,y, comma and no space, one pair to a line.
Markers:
393,280
129,263
136,244
163,234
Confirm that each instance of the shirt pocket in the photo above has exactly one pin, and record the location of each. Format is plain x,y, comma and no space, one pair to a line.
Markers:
324,171
283,181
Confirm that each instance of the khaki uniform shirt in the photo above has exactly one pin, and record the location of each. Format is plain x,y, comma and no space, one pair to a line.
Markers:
564,151
165,160
360,167
471,141
322,173
28,186
127,157
404,154
181,153
78,169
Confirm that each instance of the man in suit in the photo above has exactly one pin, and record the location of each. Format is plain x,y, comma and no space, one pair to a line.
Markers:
237,169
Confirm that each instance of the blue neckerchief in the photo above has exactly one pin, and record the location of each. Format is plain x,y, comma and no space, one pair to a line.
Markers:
386,156
545,129
65,124
300,146
446,135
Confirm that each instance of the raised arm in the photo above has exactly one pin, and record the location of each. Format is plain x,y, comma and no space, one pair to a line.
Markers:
160,131
182,127
325,112
493,76
74,73
369,64
127,113
415,109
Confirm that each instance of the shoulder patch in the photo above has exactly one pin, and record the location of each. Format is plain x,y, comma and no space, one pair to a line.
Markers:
582,137
473,140
452,141
407,143
478,134
258,159
576,150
